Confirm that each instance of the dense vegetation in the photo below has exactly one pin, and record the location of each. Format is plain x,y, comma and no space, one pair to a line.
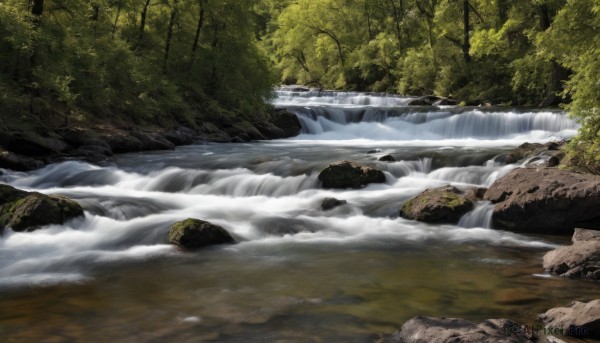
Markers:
194,62
116,61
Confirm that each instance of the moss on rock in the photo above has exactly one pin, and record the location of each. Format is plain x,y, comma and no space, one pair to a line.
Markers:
28,211
346,174
440,205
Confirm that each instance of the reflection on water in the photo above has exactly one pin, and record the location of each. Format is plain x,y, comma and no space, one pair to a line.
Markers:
257,292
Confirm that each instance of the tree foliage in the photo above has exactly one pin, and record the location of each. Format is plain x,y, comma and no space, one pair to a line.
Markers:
146,61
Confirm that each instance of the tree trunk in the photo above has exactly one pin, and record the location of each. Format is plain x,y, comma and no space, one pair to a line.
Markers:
143,21
170,33
37,7
466,44
198,27
559,73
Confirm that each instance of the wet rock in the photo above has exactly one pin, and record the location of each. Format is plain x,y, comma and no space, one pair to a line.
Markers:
331,203
439,205
582,259
194,233
446,102
578,319
152,141
346,174
281,226
475,193
444,330
287,122
387,158
427,100
373,151
553,161
545,200
528,150
8,160
180,136
32,144
28,211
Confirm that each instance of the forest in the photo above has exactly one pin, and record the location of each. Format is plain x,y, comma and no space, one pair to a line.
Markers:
193,62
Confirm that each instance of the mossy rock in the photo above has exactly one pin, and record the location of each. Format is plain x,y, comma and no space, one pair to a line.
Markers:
346,174
444,205
28,211
194,233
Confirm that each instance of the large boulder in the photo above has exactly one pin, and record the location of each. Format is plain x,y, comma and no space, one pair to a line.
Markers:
439,205
194,233
582,259
578,319
444,330
346,174
287,122
545,200
28,211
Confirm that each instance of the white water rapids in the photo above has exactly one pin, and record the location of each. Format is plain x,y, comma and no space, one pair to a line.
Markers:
355,273
267,193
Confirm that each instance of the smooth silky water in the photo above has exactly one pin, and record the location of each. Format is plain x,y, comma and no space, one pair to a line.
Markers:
298,274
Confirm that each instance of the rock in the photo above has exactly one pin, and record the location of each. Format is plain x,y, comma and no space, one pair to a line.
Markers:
527,150
8,160
287,122
387,158
194,233
92,153
582,259
583,235
331,203
446,102
475,193
180,136
439,205
32,144
445,330
427,100
545,200
346,174
374,151
152,141
27,211
553,161
578,319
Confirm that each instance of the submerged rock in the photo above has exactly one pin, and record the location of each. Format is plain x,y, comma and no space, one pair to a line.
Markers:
444,330
387,158
544,200
346,174
582,259
331,203
194,233
439,205
578,319
28,211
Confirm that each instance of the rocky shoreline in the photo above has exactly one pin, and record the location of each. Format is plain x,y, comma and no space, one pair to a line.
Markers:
25,150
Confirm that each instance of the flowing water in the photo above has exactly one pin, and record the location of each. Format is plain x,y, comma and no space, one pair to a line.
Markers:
298,274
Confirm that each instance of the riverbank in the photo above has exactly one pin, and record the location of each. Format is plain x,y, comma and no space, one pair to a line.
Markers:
28,144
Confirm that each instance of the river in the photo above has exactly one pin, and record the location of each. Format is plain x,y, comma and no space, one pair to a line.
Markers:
298,274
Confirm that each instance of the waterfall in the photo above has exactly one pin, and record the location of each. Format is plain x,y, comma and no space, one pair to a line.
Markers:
481,216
